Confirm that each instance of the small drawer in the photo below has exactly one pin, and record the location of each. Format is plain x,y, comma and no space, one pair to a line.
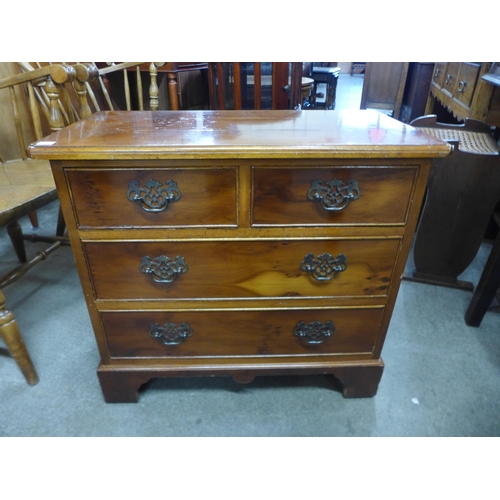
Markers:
182,334
331,196
439,73
467,78
231,269
131,198
450,78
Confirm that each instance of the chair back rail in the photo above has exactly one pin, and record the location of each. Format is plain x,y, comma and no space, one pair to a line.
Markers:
73,109
124,68
43,85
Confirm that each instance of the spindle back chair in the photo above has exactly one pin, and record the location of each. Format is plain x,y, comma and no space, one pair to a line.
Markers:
125,86
27,185
55,95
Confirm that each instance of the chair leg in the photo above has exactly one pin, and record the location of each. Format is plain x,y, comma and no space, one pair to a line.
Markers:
486,288
16,237
33,218
14,342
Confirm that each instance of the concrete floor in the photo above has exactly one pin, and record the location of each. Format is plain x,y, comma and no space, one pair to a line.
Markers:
441,376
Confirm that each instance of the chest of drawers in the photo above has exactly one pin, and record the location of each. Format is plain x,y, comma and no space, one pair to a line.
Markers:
242,244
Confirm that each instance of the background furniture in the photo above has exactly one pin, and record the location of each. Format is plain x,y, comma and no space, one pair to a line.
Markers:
9,332
329,75
358,68
27,185
383,86
192,95
124,86
277,85
488,284
240,243
416,91
458,88
44,98
462,193
178,85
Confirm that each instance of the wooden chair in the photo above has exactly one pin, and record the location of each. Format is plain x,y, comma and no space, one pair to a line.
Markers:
277,85
11,335
127,86
56,95
116,86
27,185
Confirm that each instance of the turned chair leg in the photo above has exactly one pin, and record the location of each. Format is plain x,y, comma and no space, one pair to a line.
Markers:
14,342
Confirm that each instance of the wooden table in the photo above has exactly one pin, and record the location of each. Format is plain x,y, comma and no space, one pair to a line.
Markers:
240,243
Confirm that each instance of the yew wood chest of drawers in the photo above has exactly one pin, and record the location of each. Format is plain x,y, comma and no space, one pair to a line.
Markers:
240,243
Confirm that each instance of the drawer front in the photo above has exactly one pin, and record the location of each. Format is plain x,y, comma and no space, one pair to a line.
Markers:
331,196
439,73
230,269
450,79
467,79
145,198
241,333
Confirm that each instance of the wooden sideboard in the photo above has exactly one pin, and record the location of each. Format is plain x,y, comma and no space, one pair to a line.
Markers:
240,243
460,89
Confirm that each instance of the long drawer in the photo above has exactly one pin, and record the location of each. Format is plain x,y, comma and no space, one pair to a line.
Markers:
232,269
331,196
240,333
153,198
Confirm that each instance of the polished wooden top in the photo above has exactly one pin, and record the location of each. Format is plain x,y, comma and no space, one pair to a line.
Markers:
238,134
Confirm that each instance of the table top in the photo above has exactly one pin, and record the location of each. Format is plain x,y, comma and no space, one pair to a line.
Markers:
238,134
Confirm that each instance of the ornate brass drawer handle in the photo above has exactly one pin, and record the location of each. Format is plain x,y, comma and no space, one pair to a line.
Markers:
324,267
163,269
333,195
170,333
153,197
461,86
315,332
